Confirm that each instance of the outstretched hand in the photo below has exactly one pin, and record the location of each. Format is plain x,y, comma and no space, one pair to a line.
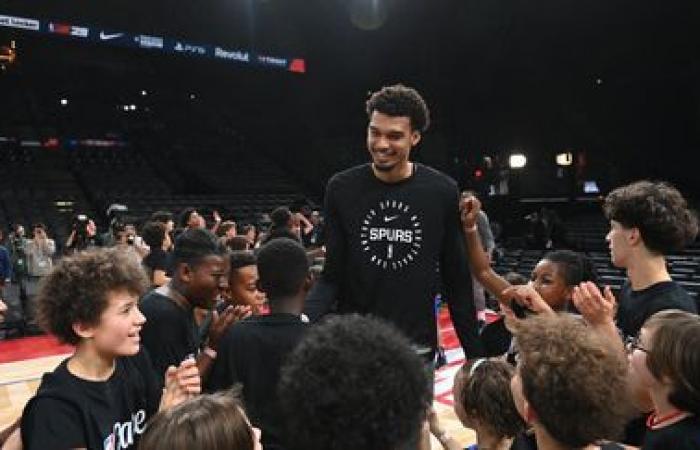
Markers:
221,322
596,308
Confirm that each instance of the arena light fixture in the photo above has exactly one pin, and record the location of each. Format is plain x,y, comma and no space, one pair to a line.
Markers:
517,161
564,159
64,102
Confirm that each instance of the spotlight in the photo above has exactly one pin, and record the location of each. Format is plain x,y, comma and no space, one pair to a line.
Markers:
144,93
565,159
517,161
64,102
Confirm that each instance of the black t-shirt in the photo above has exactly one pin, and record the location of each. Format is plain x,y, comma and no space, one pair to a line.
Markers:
170,333
251,353
635,307
70,412
384,245
683,435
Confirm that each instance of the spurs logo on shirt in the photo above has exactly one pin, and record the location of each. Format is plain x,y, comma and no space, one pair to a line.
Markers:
391,235
123,434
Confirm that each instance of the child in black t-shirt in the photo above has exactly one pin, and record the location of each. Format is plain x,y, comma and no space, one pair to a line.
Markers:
103,395
665,360
253,350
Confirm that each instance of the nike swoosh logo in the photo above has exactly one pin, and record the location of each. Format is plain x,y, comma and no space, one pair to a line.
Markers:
390,218
107,37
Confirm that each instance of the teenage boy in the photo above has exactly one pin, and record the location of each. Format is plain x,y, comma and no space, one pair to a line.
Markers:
103,395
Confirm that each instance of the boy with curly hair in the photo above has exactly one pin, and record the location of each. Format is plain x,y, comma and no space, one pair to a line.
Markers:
647,221
103,395
570,383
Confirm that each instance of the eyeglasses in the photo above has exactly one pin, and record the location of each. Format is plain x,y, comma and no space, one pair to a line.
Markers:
634,343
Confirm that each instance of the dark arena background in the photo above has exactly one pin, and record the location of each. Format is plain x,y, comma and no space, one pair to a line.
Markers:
113,110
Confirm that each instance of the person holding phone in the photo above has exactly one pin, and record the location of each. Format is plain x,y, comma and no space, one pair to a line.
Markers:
553,279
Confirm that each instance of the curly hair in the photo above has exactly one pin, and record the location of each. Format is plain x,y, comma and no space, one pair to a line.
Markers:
354,382
485,394
76,290
658,210
576,267
207,422
673,355
573,379
401,101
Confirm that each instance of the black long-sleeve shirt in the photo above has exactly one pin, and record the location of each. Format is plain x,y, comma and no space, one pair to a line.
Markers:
387,246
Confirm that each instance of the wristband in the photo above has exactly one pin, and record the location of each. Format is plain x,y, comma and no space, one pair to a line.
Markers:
210,352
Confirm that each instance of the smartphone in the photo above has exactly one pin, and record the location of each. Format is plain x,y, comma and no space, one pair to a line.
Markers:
519,310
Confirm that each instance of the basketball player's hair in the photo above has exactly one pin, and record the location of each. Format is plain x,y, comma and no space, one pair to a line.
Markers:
401,101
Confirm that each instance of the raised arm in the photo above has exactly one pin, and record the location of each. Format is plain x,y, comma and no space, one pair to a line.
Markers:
479,260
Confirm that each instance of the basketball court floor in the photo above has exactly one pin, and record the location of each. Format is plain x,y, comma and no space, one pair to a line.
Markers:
24,360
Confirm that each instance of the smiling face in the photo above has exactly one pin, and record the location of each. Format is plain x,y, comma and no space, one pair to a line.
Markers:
243,287
389,141
205,280
117,332
548,280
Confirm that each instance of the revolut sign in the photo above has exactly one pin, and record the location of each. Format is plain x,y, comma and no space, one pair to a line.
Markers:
154,43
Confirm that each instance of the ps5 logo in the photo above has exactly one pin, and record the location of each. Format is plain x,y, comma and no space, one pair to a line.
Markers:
391,235
188,48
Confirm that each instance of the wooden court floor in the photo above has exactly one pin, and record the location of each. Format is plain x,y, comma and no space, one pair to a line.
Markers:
20,380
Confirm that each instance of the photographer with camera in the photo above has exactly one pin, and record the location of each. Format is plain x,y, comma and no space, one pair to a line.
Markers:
83,236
